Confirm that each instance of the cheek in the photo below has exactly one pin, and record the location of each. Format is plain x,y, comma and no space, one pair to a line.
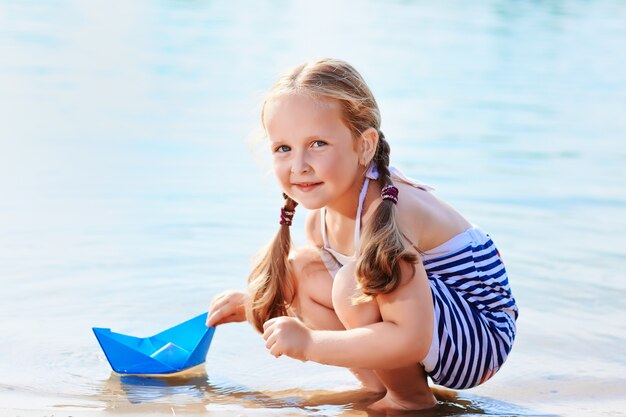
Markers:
281,170
328,168
338,164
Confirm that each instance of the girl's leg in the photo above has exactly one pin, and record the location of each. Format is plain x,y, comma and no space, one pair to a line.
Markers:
313,303
407,388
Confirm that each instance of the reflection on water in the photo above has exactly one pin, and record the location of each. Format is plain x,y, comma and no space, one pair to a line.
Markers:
129,197
194,391
141,389
186,393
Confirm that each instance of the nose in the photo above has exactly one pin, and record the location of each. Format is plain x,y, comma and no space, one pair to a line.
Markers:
300,164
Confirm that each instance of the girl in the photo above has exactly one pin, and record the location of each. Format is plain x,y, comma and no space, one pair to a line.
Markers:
397,285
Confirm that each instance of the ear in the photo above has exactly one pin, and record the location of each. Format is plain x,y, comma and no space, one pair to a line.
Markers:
369,142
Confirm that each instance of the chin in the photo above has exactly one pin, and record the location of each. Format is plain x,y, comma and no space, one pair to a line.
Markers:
306,200
309,205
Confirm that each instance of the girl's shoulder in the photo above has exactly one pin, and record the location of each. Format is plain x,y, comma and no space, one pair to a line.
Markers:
424,219
416,211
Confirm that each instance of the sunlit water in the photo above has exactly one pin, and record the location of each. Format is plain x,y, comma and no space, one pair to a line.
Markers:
129,197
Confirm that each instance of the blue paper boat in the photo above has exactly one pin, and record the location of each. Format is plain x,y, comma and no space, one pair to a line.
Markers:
173,350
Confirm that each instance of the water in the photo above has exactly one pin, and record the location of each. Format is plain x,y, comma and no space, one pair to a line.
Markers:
129,196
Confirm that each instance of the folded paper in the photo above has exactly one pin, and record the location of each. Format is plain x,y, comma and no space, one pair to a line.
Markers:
173,350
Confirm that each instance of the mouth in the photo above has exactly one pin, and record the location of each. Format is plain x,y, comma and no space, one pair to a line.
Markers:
306,186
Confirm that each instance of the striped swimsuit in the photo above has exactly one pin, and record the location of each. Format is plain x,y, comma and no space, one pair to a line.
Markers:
474,309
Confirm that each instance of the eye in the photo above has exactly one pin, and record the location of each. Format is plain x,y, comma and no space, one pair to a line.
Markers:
318,144
282,149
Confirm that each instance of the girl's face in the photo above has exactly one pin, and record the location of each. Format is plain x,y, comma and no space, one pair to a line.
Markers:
313,151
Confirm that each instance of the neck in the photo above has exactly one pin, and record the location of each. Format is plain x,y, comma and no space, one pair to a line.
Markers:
347,206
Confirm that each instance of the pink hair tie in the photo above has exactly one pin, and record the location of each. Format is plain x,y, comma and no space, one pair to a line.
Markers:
390,192
286,216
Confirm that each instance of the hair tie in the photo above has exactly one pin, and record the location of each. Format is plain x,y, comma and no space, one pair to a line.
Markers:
286,216
390,192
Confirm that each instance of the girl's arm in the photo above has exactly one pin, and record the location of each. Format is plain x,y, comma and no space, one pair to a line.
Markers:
402,338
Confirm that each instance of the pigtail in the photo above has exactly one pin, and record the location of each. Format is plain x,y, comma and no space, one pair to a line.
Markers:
270,283
382,248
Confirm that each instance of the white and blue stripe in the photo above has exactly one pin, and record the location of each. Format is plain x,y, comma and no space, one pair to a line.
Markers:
475,311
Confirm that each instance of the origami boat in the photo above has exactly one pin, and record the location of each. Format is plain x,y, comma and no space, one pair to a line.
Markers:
173,350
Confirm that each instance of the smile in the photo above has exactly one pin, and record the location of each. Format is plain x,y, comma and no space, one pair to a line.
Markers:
307,186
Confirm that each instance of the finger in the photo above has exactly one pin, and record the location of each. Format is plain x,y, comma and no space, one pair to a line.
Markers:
214,317
272,346
210,318
214,312
269,323
216,298
228,319
219,302
223,299
275,351
267,333
271,340
220,316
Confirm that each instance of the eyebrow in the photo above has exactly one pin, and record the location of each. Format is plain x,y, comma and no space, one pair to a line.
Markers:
306,139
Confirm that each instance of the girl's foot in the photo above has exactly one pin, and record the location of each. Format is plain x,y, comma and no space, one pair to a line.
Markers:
393,405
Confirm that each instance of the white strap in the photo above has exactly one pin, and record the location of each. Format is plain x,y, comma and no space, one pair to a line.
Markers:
357,224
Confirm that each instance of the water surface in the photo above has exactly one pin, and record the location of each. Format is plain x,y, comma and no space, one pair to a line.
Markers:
129,196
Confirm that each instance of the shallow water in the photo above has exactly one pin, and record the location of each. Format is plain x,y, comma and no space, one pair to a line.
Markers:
129,196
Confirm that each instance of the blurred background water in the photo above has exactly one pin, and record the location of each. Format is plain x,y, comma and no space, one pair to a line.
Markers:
129,195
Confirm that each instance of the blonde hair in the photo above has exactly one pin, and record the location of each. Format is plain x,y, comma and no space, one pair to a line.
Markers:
270,284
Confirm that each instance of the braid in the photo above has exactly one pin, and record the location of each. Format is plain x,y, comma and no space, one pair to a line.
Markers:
381,159
378,267
270,283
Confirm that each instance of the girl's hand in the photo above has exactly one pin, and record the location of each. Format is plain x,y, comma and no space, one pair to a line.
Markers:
227,307
287,336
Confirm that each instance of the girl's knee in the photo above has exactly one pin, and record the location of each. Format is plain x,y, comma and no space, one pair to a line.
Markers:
305,263
345,286
345,289
311,277
313,288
